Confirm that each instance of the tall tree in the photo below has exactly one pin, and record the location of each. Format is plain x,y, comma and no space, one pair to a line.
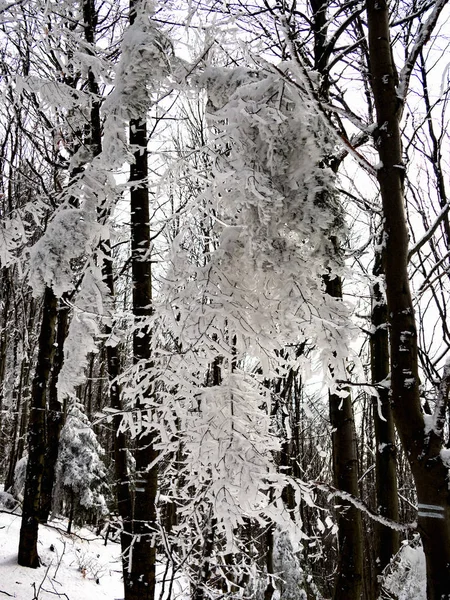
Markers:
422,441
140,582
28,553
349,574
387,539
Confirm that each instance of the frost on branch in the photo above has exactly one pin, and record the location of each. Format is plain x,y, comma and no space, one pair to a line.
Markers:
230,448
290,578
69,236
16,229
74,232
83,332
276,213
405,577
142,68
268,213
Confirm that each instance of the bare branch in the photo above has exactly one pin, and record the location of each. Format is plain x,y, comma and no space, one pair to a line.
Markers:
423,37
429,234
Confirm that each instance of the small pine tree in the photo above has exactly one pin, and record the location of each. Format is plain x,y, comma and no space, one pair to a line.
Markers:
80,472
290,577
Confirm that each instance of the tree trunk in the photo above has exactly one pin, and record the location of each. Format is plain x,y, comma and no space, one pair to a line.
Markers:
123,492
349,577
55,416
386,539
5,301
423,451
142,576
141,579
28,554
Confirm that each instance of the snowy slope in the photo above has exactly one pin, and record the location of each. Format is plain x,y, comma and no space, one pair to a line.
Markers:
71,566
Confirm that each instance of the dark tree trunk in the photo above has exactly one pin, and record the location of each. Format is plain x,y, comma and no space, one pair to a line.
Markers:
71,511
206,552
141,578
349,577
423,451
5,300
269,591
55,416
206,549
123,492
28,554
141,581
386,538
21,390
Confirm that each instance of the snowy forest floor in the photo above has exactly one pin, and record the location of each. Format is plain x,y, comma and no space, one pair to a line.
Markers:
72,564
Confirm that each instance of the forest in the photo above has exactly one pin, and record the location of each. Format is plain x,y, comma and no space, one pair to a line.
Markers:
224,263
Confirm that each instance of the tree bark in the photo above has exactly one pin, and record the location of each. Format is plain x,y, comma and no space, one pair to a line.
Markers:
55,417
386,539
141,578
5,301
123,491
349,577
28,554
422,449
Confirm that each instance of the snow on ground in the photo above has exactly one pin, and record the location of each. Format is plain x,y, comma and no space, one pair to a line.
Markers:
71,566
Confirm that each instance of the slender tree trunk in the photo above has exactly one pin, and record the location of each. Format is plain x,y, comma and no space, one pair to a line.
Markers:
16,402
350,569
55,416
349,577
199,592
423,450
28,554
206,549
4,341
123,492
142,575
141,580
386,539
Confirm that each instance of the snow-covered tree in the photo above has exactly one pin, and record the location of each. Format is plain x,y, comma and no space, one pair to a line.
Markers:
80,471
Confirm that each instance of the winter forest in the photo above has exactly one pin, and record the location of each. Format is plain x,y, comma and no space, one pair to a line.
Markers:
225,287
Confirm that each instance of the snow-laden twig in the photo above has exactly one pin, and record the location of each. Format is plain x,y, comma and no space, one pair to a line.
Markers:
362,506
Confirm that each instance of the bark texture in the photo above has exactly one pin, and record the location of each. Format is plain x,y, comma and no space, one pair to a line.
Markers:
55,416
28,554
422,448
349,576
141,578
386,539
